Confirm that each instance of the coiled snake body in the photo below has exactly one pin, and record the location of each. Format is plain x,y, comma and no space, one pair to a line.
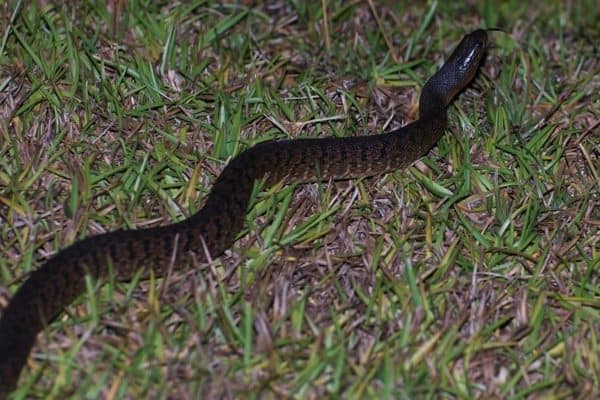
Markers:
213,229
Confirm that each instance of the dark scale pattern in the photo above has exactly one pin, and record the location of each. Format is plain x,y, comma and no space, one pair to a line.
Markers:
60,280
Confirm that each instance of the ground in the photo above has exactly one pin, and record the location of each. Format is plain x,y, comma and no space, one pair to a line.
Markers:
474,273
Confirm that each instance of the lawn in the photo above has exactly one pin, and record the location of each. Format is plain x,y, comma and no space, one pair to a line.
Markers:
474,273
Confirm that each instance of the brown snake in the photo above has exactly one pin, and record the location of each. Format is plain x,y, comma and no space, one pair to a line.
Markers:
213,229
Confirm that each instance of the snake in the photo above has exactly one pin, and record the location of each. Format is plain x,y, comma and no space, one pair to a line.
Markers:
213,229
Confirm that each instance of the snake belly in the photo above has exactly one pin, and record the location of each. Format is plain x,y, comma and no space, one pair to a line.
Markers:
213,229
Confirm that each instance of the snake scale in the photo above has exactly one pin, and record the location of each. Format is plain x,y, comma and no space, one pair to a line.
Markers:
213,229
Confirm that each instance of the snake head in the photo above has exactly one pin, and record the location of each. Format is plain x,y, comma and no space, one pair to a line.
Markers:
456,73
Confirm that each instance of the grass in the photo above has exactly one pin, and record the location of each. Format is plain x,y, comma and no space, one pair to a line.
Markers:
472,274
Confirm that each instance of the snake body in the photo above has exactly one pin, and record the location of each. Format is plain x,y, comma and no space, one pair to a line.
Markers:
213,229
